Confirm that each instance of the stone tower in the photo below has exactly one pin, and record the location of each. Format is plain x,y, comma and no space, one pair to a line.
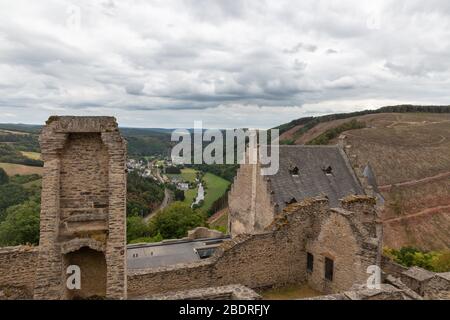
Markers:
83,214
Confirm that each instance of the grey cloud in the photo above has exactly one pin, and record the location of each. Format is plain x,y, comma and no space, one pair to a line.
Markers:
217,10
204,58
299,47
135,89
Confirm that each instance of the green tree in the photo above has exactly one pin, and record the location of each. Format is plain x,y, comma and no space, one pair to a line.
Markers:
175,221
137,228
179,195
4,179
143,194
441,262
21,225
173,170
437,261
24,178
11,194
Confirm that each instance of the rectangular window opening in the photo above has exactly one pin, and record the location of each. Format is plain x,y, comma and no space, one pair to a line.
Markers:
309,262
329,266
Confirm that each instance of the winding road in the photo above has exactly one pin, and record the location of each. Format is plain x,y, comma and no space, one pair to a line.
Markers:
168,197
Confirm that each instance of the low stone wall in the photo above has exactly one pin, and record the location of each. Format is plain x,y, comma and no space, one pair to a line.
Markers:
438,287
166,279
386,292
17,271
231,292
204,233
254,261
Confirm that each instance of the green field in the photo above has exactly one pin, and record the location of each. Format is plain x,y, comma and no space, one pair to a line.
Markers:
215,188
186,175
221,222
190,195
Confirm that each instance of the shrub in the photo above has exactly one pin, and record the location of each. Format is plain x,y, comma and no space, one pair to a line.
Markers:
21,225
3,177
436,261
175,221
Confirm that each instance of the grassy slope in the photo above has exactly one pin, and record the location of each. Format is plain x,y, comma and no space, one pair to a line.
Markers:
32,184
216,187
186,175
189,196
222,221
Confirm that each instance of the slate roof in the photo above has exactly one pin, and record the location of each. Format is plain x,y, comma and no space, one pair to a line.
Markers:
370,176
312,180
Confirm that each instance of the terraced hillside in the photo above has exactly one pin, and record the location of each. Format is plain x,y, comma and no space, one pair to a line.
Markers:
410,156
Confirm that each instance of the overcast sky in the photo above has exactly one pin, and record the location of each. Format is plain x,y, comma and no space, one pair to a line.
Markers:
228,63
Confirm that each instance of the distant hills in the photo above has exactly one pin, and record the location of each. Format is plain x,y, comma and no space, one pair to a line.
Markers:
141,142
291,131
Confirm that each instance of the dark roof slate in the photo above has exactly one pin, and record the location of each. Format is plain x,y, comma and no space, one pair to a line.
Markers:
312,179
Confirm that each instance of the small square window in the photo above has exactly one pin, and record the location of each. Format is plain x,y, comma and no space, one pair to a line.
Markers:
294,171
329,266
309,262
328,170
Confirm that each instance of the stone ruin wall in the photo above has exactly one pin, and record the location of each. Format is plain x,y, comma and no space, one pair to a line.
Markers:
249,195
230,292
391,267
264,205
17,270
276,257
251,261
239,202
83,207
203,233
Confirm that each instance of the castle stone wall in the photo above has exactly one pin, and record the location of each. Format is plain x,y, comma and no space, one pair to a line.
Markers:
241,217
276,257
83,207
264,208
251,209
17,270
351,256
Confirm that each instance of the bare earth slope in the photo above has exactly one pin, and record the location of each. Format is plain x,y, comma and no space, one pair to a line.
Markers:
410,155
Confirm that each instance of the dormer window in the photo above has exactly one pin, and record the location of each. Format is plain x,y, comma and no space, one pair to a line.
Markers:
293,200
328,170
294,171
